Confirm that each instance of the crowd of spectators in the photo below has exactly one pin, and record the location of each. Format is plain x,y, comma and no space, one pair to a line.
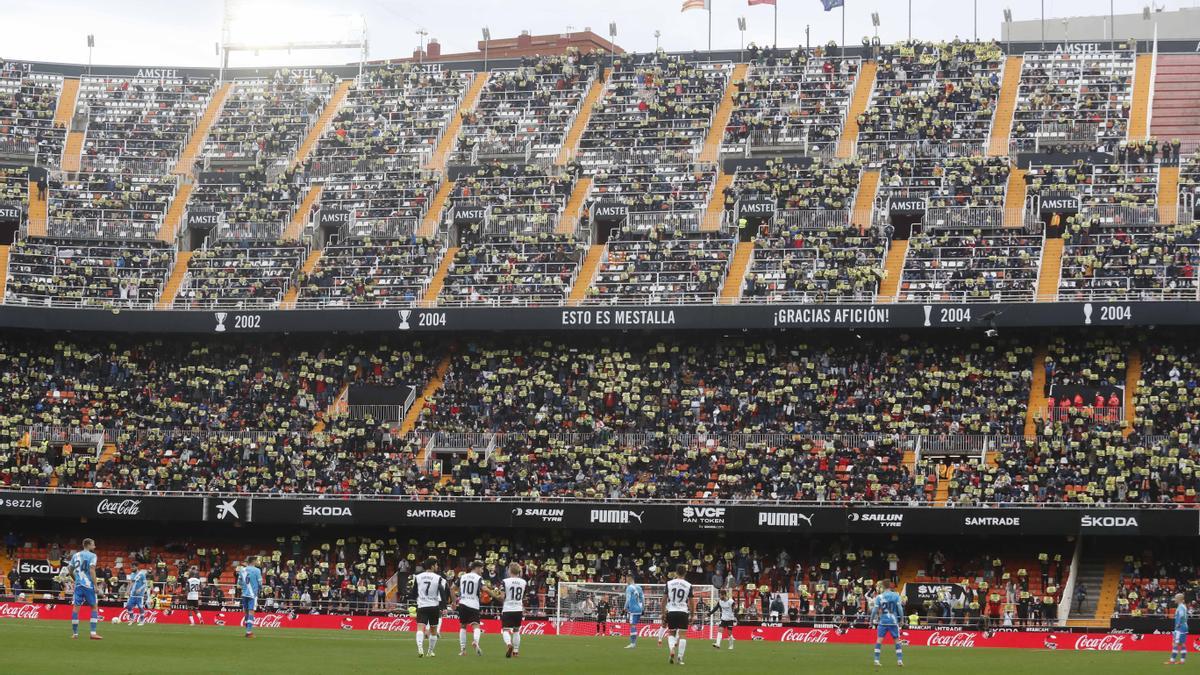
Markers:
524,113
49,271
653,104
240,273
662,265
251,202
672,183
518,199
930,95
14,186
372,272
535,269
1073,101
971,265
796,99
1147,262
1098,184
1151,577
28,102
267,118
108,205
827,264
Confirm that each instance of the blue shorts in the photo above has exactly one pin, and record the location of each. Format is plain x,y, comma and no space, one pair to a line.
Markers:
1179,636
84,596
884,631
249,604
635,617
135,601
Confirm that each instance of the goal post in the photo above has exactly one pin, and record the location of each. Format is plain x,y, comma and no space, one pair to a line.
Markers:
575,611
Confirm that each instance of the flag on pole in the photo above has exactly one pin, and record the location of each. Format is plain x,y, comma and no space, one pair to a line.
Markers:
831,5
761,2
696,4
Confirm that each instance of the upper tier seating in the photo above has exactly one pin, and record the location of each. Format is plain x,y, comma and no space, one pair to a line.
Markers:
1077,101
89,273
28,102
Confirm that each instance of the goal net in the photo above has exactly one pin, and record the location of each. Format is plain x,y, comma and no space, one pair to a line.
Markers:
579,604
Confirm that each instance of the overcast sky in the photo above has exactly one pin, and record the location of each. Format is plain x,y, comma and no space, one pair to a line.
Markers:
183,32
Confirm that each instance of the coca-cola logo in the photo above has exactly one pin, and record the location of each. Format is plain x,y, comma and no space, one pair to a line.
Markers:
811,636
148,616
20,611
398,624
1100,643
957,639
125,507
268,621
533,628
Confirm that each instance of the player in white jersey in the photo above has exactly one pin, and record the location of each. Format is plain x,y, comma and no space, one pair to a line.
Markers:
430,591
466,600
83,573
679,607
513,611
728,610
194,582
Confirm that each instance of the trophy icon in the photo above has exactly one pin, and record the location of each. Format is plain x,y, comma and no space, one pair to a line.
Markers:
404,314
221,321
1087,314
928,309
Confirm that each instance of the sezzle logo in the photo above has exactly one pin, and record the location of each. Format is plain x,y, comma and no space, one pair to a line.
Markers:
533,628
398,624
125,507
776,519
20,611
432,513
545,515
992,521
326,511
1102,643
615,516
940,639
811,636
705,516
881,519
1108,521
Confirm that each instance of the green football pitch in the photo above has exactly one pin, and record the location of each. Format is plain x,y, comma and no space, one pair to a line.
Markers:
46,647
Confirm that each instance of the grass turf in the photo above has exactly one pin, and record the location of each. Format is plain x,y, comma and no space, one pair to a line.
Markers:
30,646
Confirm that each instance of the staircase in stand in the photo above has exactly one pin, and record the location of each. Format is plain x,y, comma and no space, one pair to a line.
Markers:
1168,195
1133,376
864,199
67,98
310,264
300,218
1101,576
72,157
1002,119
1014,198
434,214
586,273
450,136
720,120
1176,114
187,158
336,407
317,130
716,203
1139,112
431,388
175,281
439,277
858,104
894,268
174,217
3,272
1037,392
38,208
1047,287
731,290
571,143
570,215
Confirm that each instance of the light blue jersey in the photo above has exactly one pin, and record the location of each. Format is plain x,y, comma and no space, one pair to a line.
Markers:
82,564
634,600
1181,619
250,581
887,608
137,584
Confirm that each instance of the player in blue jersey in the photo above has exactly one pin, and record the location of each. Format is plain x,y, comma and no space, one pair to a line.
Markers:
1180,634
138,589
83,573
250,582
886,611
635,604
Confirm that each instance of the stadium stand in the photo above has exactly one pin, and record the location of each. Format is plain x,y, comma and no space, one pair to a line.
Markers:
109,205
86,273
370,271
662,264
240,273
28,102
1078,101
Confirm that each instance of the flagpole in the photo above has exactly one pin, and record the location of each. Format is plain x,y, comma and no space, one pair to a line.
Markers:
775,38
843,29
710,26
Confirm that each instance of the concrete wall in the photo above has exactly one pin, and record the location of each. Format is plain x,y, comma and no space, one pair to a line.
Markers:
1183,24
